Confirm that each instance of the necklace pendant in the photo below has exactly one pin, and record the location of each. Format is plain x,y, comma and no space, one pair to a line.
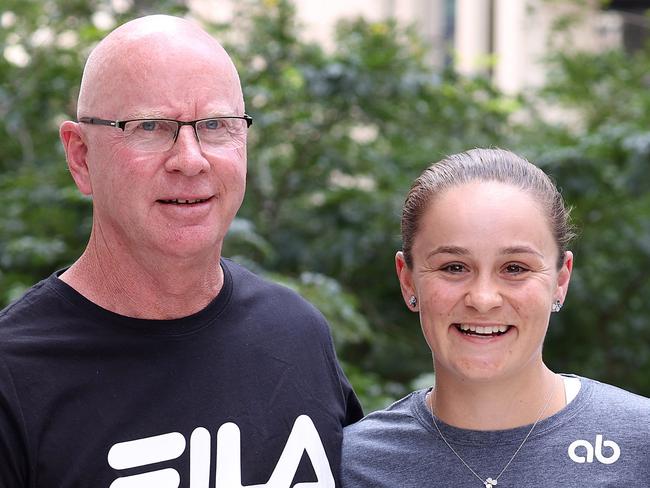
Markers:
490,483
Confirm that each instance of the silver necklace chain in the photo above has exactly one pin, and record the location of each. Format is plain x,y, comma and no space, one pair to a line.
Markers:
492,482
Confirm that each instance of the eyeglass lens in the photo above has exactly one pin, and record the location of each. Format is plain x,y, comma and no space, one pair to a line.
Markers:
160,135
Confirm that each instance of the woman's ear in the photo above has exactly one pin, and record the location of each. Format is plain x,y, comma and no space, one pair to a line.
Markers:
76,151
405,277
564,277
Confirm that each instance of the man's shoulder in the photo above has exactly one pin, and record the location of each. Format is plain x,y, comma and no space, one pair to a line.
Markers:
33,302
250,274
253,288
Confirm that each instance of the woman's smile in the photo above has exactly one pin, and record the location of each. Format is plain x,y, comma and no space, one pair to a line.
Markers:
482,330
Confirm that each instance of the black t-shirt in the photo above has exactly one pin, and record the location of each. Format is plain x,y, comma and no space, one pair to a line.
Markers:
245,392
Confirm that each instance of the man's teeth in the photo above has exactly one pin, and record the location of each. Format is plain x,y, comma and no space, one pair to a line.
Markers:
489,330
178,201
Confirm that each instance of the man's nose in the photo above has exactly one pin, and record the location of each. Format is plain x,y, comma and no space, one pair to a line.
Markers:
186,156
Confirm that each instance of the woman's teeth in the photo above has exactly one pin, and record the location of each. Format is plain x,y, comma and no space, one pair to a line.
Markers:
483,330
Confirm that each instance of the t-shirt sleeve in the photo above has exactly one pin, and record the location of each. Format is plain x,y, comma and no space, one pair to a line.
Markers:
353,409
13,456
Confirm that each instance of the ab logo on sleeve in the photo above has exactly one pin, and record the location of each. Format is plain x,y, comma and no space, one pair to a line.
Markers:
606,452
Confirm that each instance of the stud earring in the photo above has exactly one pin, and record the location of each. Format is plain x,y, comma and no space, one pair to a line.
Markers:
557,306
413,301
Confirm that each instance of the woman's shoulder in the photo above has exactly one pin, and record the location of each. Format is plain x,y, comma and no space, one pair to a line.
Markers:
401,416
612,404
607,394
381,441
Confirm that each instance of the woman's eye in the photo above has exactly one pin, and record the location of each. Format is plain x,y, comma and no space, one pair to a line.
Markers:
515,269
453,268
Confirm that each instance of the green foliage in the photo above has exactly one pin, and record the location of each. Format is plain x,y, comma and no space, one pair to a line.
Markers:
44,224
337,139
598,149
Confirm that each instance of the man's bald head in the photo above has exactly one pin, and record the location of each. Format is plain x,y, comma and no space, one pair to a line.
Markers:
141,51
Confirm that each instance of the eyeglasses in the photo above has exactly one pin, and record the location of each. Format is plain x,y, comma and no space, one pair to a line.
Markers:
157,135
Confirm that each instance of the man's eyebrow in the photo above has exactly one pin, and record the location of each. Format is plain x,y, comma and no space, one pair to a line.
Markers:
149,114
159,114
457,250
521,250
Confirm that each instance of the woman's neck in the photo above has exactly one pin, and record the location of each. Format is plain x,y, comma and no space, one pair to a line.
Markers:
496,405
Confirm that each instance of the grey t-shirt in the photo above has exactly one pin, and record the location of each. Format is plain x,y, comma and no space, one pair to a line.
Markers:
600,439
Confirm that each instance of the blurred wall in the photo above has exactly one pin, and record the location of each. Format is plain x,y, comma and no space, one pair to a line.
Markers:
503,39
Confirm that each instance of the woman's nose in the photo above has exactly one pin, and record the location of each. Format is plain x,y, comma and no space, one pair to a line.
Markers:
483,295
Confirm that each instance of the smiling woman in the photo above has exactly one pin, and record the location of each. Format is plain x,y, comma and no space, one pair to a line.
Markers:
484,257
484,263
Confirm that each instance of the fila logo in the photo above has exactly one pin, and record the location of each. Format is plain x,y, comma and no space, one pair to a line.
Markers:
303,438
582,451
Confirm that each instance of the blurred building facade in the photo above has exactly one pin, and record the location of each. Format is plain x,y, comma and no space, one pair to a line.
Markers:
507,39
502,39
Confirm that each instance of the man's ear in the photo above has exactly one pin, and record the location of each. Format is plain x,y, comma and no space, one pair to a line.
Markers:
76,151
405,277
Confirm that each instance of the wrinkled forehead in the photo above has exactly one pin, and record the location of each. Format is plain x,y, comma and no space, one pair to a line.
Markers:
178,69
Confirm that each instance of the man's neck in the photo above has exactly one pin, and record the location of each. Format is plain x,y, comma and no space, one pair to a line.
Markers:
146,288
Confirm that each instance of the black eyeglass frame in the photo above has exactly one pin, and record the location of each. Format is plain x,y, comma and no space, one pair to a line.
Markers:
121,124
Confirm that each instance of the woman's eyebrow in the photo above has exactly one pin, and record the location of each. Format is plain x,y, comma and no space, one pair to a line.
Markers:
457,250
521,250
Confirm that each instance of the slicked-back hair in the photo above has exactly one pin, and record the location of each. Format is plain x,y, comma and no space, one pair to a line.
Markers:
485,165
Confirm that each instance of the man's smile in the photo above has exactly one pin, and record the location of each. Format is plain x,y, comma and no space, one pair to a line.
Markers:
183,201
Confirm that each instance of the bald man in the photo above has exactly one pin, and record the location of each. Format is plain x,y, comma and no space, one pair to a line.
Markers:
152,361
